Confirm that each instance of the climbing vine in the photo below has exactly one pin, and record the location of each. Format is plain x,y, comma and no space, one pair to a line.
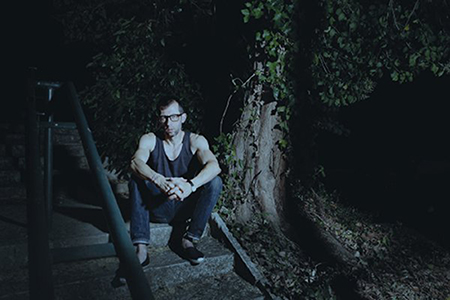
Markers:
359,42
275,47
351,46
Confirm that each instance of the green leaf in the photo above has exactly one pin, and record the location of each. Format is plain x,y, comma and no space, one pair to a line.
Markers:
257,13
434,68
412,60
394,76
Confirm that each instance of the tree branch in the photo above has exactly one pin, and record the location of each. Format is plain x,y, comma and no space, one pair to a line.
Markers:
229,100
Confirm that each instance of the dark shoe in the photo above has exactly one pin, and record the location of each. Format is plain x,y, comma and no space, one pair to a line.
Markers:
146,263
194,255
119,278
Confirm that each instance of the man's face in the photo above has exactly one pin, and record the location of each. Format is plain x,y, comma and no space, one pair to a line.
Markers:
171,119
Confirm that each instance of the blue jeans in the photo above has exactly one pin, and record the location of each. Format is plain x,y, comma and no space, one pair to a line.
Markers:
149,204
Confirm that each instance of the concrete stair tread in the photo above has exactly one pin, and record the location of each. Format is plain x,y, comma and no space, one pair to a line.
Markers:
227,286
67,231
73,279
161,256
74,149
74,224
15,127
7,163
82,227
13,191
9,177
162,260
60,137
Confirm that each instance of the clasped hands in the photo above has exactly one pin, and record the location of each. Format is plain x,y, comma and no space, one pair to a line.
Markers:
176,188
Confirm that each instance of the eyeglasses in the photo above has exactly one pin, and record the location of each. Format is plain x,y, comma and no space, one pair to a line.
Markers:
173,118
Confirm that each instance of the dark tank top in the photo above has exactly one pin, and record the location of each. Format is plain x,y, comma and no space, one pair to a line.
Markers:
183,166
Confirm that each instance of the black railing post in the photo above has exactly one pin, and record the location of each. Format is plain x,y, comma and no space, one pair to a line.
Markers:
48,160
39,261
137,282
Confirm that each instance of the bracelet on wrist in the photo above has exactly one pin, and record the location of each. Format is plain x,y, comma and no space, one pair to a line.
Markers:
193,187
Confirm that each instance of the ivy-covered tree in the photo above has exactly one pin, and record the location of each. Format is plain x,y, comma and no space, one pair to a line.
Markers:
310,58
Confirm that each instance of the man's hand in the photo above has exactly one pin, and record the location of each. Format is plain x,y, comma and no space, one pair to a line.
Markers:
181,190
165,185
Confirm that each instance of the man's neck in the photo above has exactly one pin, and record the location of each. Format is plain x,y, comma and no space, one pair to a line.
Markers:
174,140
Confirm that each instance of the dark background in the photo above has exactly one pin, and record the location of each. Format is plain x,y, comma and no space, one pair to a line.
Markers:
396,161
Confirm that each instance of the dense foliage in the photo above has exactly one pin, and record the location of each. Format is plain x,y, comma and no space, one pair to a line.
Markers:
360,41
320,55
131,71
129,83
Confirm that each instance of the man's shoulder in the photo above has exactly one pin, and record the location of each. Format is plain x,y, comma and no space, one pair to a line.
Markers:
149,135
198,140
148,140
194,137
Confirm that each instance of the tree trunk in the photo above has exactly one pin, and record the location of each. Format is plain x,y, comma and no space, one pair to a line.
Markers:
262,165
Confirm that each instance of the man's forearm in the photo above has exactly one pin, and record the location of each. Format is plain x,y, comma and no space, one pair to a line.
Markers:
141,169
209,171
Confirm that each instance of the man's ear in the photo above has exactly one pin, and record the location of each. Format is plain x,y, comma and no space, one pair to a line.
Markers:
183,117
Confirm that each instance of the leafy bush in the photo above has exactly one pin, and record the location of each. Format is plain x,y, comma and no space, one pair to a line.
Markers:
129,81
359,42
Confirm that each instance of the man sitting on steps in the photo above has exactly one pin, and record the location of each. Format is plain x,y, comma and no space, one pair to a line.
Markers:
168,184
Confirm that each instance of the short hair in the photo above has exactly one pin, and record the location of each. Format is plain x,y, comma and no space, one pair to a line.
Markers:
168,100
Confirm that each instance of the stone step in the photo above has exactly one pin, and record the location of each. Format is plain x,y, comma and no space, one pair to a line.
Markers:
7,163
74,224
17,150
61,160
9,177
227,286
63,156
92,279
14,138
72,150
66,136
13,192
160,233
21,162
12,127
60,137
70,228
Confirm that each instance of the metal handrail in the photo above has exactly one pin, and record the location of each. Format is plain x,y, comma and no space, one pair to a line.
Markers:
40,255
136,279
39,260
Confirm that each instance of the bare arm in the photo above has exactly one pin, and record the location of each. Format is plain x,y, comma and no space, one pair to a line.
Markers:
140,167
210,164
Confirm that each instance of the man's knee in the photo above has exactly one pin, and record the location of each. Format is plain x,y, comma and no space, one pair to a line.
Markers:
132,184
215,184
